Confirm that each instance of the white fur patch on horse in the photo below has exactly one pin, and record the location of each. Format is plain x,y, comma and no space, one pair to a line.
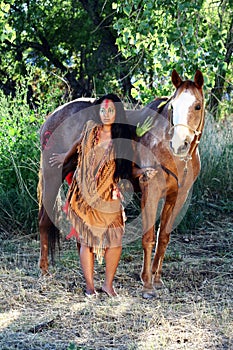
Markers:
181,106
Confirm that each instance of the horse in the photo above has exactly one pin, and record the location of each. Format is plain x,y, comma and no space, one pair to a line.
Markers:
170,163
167,163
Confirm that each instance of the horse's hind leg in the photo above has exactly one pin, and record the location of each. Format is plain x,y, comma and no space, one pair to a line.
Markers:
44,227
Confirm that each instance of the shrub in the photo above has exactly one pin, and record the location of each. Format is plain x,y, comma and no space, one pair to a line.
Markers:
216,149
213,189
20,153
19,157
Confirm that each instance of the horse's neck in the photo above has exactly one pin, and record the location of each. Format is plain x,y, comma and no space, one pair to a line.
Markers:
135,116
151,110
160,117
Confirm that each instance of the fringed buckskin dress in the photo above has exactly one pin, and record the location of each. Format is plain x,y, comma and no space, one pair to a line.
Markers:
95,213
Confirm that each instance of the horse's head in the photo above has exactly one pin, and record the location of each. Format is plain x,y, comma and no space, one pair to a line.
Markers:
187,113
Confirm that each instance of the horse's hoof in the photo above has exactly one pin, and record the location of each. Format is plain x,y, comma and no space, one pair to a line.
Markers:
44,275
158,284
161,288
148,294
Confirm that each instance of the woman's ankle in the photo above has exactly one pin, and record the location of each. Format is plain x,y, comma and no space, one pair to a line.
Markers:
90,291
109,289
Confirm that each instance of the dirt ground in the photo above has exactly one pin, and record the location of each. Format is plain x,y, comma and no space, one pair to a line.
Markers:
193,311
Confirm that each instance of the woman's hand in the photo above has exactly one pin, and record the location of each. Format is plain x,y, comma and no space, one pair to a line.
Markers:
144,127
57,159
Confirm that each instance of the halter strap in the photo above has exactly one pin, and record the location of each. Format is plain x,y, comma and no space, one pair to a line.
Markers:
165,169
197,132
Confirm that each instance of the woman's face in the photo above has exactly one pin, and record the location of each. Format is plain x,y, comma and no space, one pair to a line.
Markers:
107,112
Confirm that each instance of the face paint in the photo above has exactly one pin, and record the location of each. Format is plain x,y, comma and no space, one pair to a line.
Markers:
107,112
105,103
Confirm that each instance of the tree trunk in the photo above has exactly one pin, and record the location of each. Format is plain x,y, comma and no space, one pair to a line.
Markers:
218,89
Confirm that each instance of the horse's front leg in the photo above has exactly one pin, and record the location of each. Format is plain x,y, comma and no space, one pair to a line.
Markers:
148,242
170,211
149,203
163,235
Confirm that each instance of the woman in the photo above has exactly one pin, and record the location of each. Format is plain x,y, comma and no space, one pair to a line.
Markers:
104,154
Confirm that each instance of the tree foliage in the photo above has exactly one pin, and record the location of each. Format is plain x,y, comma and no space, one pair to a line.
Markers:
20,153
178,34
97,45
73,39
52,52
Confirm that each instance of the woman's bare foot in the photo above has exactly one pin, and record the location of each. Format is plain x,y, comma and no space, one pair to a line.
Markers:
110,291
90,293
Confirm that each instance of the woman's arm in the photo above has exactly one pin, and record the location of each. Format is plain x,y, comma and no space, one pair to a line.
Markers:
60,159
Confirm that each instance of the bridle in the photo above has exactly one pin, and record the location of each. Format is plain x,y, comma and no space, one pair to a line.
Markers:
197,132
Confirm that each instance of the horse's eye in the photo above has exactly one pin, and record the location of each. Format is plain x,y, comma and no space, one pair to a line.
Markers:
197,107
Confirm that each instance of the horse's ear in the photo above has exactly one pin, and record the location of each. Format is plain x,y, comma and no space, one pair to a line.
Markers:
198,79
176,80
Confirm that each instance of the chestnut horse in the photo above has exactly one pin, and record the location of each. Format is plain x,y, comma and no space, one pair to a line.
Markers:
168,155
167,164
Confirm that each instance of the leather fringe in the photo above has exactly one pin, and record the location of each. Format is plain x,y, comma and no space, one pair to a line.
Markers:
102,239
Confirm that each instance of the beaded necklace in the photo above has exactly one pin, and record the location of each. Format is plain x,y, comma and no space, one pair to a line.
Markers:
105,155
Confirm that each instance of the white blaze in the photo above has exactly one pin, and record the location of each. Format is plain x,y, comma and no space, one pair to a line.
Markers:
181,107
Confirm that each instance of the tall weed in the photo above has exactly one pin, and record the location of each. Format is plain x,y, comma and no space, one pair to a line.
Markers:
216,149
213,190
20,153
19,156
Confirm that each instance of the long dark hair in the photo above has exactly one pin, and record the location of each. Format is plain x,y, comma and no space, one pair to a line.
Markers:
121,136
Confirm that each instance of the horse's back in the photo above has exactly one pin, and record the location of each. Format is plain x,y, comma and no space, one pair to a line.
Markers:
65,124
60,114
153,109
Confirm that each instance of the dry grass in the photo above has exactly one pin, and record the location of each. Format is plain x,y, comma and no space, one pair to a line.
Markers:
193,312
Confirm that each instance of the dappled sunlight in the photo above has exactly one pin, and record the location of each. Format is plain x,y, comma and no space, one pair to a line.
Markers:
177,331
6,318
194,312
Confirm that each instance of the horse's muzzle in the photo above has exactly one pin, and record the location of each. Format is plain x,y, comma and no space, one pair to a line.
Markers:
182,150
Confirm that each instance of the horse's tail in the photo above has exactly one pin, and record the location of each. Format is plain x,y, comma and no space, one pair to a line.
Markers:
40,185
45,221
54,242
